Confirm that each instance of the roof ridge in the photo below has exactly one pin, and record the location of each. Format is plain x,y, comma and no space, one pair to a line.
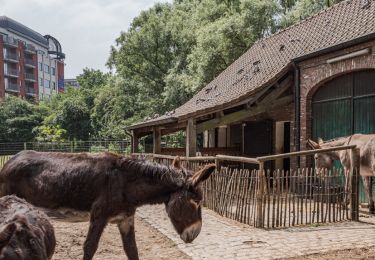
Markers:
300,22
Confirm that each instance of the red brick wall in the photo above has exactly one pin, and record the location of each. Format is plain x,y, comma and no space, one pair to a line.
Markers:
60,75
317,71
36,87
21,77
2,82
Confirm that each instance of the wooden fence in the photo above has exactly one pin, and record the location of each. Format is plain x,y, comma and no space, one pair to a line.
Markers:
3,160
275,199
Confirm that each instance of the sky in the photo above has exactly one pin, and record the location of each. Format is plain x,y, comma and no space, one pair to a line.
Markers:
85,28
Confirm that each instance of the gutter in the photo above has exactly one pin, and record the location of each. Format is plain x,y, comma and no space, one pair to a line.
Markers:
153,123
297,109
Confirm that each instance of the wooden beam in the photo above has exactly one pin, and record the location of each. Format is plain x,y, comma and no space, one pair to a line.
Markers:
134,143
191,138
243,114
156,138
280,89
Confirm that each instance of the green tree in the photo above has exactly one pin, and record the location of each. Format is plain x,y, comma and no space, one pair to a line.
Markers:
70,112
172,50
50,133
115,107
303,9
18,118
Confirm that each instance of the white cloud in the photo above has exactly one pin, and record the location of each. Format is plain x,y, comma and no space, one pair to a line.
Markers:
85,28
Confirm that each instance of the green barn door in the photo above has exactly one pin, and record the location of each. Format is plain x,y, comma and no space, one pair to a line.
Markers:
344,106
332,109
364,102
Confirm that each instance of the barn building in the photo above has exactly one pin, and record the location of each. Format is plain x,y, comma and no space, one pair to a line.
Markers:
313,79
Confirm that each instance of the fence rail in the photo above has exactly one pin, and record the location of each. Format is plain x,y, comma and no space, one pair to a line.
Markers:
278,198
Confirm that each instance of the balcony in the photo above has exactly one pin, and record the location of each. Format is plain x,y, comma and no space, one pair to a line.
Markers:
11,57
11,72
29,48
12,87
30,91
30,63
30,77
10,42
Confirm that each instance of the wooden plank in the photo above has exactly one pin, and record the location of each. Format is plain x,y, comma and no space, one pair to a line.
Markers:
308,152
156,139
260,193
134,143
237,159
191,138
281,88
354,181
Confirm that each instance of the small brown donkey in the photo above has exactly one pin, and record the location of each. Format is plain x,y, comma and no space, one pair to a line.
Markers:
111,187
25,232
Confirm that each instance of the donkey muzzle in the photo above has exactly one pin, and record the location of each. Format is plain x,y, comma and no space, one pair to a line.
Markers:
191,232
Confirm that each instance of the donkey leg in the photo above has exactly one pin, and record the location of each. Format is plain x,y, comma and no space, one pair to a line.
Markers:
97,225
126,227
368,190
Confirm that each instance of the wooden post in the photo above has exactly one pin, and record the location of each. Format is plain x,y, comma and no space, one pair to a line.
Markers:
260,188
156,138
354,184
191,138
134,143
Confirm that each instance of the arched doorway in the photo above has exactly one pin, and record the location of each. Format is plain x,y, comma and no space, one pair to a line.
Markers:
344,106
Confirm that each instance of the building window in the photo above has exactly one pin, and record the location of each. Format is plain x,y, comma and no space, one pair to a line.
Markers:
47,83
41,82
53,85
53,71
46,68
40,66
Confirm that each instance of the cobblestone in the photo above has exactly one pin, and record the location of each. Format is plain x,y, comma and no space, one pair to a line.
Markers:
222,238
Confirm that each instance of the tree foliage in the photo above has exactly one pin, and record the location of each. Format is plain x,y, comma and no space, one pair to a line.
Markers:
18,118
169,52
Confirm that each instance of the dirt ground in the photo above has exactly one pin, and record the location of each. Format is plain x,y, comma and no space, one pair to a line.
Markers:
352,254
151,244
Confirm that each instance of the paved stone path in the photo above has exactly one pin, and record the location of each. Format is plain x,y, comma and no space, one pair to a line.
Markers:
222,238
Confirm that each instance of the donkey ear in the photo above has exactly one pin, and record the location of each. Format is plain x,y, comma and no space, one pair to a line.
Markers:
203,174
320,141
7,232
176,162
312,144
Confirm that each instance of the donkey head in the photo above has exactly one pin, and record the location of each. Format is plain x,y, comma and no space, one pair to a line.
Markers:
322,160
184,205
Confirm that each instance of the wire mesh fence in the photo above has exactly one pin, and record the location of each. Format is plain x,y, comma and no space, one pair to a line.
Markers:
118,146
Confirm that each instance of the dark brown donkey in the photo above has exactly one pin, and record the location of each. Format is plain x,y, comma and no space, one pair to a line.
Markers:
111,187
25,232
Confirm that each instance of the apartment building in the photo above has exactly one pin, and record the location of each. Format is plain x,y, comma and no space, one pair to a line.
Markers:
31,65
71,83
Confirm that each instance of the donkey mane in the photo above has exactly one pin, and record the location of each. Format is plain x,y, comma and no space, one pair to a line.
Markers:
336,141
154,171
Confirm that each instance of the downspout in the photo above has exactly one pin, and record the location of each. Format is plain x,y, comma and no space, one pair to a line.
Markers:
297,109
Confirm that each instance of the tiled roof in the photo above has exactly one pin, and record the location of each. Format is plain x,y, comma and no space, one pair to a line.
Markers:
270,57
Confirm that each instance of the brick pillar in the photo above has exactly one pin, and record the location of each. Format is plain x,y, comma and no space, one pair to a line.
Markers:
2,82
21,75
36,86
